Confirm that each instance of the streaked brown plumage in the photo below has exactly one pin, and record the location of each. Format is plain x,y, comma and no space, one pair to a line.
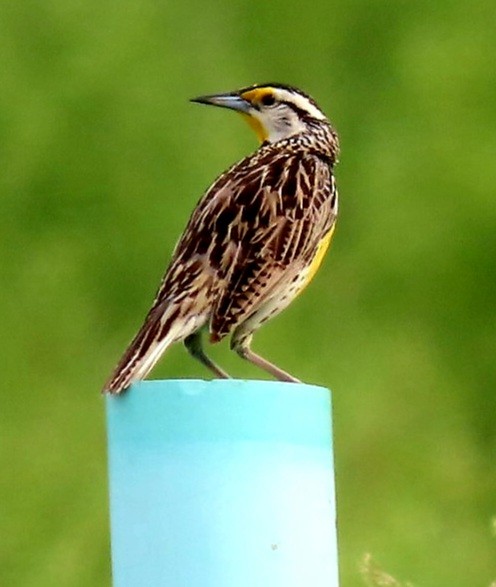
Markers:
254,240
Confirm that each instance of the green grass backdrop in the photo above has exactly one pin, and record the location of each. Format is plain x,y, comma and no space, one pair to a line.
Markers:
102,158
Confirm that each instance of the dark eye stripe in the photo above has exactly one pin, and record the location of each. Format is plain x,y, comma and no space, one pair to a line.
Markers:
301,113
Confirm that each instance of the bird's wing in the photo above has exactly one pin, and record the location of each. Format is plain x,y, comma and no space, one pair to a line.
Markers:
264,215
268,231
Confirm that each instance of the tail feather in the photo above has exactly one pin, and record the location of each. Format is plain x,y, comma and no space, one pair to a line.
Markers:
156,334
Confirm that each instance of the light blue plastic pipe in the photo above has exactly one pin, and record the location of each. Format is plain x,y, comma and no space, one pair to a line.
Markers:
222,484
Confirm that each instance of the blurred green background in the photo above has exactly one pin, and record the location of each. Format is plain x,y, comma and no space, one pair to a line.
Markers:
102,158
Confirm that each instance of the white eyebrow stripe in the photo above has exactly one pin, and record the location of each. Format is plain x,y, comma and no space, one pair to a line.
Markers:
300,102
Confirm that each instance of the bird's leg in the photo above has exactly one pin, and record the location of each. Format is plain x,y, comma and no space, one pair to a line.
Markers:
193,343
241,344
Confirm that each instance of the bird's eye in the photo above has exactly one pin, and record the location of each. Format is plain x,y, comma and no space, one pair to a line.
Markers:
268,100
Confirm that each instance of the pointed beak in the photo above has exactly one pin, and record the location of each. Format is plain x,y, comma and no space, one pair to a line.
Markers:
232,101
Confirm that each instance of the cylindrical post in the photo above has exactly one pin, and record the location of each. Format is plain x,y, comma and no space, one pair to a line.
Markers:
223,483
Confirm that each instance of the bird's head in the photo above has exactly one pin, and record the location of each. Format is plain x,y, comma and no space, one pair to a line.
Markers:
274,111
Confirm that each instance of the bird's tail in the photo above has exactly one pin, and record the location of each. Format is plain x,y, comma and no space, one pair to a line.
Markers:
158,332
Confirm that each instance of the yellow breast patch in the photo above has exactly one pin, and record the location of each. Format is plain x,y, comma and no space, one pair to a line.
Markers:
319,256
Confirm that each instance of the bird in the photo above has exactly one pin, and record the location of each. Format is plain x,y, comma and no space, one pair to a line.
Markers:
253,242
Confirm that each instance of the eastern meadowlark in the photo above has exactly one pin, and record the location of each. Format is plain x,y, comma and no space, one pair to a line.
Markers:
253,242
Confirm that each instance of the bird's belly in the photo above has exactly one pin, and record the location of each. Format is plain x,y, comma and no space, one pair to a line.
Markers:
277,302
288,290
